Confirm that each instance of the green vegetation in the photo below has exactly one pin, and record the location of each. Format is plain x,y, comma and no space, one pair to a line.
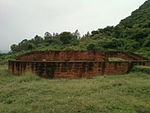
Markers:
144,69
131,34
115,59
11,55
102,94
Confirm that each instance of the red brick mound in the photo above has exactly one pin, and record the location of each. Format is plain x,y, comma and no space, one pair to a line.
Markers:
74,64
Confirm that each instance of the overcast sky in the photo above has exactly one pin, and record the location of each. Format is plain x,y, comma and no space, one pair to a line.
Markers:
23,19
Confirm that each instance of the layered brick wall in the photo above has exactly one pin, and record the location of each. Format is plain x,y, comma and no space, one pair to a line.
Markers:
72,69
125,55
63,56
74,64
67,69
77,56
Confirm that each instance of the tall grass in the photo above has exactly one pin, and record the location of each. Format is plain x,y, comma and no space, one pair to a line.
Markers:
103,94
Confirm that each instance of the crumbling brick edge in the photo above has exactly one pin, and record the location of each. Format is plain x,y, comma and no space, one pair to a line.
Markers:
69,69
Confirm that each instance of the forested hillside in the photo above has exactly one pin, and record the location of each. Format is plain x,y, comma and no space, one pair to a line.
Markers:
131,34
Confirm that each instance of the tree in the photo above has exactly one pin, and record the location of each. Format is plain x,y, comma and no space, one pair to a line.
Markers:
24,41
91,47
37,39
30,46
94,33
47,35
66,37
147,42
14,48
112,44
76,34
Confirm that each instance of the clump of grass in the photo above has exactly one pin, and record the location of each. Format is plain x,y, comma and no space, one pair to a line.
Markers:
115,59
27,77
144,69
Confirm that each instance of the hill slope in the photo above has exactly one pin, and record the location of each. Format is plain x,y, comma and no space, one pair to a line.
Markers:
132,33
139,18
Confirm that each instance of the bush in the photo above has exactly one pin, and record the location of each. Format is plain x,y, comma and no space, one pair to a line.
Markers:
91,47
112,44
144,69
67,37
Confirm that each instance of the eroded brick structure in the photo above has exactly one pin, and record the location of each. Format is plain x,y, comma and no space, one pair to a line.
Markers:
74,64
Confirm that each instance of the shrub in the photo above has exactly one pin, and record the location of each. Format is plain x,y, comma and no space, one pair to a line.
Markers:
144,69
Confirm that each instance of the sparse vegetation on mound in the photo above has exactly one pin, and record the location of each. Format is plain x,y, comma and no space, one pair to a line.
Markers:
144,69
115,59
103,94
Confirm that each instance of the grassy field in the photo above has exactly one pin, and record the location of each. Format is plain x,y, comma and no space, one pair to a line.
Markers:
103,94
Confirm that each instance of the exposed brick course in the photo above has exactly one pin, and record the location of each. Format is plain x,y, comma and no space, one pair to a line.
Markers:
74,64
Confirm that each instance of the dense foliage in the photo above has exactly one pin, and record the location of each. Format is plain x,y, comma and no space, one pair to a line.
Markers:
49,41
133,32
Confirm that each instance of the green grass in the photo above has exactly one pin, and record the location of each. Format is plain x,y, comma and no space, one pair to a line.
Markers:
144,69
115,59
128,93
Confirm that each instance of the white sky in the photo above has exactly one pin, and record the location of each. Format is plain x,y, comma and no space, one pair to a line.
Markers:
23,19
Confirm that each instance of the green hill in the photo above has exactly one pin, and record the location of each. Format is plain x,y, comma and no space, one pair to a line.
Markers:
139,18
134,30
131,34
137,26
